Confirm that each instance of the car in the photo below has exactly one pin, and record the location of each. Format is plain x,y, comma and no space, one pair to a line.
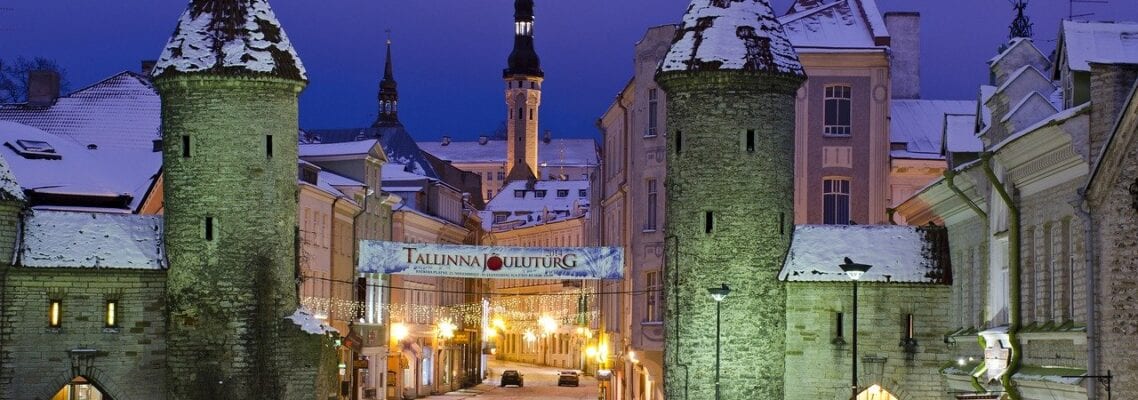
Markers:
567,378
511,377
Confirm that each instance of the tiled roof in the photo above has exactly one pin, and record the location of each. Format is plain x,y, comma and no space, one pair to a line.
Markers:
62,239
121,112
903,254
556,153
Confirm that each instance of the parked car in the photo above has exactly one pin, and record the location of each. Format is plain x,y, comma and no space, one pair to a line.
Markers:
566,378
511,377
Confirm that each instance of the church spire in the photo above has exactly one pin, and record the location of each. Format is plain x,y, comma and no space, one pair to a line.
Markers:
388,93
1021,25
523,60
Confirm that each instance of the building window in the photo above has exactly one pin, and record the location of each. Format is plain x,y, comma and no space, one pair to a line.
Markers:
653,311
185,146
501,175
708,222
268,146
539,193
112,314
750,141
520,193
650,221
55,314
489,194
839,328
209,228
521,113
562,192
582,193
653,103
836,201
837,111
679,142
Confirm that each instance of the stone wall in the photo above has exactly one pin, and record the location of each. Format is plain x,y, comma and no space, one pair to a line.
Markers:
812,340
128,362
730,211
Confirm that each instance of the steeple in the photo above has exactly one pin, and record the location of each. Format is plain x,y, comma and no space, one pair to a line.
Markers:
1021,25
523,60
388,94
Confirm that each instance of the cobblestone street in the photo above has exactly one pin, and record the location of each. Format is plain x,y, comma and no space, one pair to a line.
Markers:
540,383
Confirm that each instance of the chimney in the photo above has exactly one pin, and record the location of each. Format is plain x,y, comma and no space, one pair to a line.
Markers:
905,47
446,140
1110,85
548,136
148,67
43,87
483,139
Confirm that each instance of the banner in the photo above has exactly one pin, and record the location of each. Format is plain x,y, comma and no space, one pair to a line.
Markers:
457,261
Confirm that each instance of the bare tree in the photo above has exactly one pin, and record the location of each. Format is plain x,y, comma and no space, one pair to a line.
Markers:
14,77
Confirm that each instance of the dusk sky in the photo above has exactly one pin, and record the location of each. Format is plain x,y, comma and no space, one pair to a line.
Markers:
449,54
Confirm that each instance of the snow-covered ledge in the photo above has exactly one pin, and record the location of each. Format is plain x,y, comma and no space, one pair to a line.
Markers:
307,321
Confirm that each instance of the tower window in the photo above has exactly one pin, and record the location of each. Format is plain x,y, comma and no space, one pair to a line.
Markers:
521,113
269,146
533,85
837,110
839,324
55,314
836,201
531,114
708,222
750,140
781,223
209,228
679,142
185,146
112,314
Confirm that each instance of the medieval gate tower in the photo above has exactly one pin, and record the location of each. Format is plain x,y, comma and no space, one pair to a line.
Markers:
731,76
229,80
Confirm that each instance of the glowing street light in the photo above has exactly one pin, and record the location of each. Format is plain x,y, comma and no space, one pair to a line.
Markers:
399,331
547,323
718,294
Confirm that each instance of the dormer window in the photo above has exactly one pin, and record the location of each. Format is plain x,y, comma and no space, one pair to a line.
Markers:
35,149
582,193
539,193
520,193
562,192
500,218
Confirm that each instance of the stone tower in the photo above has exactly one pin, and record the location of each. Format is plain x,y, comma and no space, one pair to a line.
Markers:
388,95
523,78
229,80
731,76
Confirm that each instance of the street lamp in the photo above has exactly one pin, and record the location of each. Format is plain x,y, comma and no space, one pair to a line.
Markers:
718,294
855,271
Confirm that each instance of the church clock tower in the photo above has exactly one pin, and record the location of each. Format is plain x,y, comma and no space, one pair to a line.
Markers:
523,78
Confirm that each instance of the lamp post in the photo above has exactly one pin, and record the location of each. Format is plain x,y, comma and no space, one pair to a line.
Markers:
854,270
718,294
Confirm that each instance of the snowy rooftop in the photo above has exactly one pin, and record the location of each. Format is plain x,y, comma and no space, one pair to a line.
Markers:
960,135
558,152
397,144
120,112
1113,42
354,148
732,35
91,240
49,165
228,37
850,24
562,199
904,254
920,123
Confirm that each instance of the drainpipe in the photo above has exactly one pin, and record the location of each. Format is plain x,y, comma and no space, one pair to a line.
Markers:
949,180
1092,287
1013,278
676,294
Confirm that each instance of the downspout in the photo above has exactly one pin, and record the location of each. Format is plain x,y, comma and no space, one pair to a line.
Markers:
676,294
1013,279
1092,287
949,177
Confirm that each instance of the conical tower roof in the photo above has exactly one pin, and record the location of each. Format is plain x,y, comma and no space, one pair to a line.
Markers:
230,37
732,35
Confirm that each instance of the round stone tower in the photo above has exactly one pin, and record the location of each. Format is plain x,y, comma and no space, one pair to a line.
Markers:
731,77
229,80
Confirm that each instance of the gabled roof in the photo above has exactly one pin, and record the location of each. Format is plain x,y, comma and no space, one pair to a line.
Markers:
525,208
1019,112
901,254
1105,42
1015,45
920,123
230,37
960,134
396,141
64,239
122,112
732,35
360,148
555,153
851,24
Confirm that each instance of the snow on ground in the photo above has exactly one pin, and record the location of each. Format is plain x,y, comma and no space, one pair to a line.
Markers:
540,383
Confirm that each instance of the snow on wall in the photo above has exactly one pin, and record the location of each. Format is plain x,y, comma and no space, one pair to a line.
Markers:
897,254
248,36
308,322
91,240
9,188
732,35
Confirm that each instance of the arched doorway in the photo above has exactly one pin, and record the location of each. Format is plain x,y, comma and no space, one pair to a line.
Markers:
80,388
876,392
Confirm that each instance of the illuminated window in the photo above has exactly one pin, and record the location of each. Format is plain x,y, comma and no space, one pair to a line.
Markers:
836,201
55,314
837,103
112,314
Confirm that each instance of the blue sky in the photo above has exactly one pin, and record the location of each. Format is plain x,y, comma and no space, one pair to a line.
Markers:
449,54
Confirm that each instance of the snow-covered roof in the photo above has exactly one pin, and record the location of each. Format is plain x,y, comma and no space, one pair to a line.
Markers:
526,208
9,187
397,144
1057,118
70,169
1113,42
920,123
850,24
904,254
395,172
960,134
353,148
556,153
230,37
986,92
65,239
732,35
1013,45
121,112
338,180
